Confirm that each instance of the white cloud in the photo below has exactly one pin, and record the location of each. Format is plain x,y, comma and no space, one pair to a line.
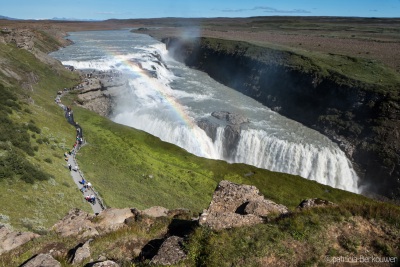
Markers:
274,10
268,10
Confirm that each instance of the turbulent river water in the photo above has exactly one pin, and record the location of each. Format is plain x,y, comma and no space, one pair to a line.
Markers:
167,99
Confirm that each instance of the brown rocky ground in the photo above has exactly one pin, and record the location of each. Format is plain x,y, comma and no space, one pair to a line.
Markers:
377,39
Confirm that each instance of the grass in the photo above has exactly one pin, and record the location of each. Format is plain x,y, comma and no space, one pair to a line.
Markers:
36,189
354,71
131,168
304,238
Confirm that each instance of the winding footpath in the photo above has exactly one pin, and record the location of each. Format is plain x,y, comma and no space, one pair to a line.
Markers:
75,172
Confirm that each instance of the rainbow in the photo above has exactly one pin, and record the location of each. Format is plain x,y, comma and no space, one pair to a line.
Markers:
204,143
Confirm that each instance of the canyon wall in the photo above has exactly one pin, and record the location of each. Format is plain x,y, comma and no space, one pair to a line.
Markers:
364,119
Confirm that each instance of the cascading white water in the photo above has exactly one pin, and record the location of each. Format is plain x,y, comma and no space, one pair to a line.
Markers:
317,163
167,99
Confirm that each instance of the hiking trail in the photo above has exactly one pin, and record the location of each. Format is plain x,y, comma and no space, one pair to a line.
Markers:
76,174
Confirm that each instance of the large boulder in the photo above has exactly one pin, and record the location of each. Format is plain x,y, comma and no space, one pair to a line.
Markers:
112,219
42,260
264,208
82,253
170,252
76,223
235,205
10,239
156,211
83,225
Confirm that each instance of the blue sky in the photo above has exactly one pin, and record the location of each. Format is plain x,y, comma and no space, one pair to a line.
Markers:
123,9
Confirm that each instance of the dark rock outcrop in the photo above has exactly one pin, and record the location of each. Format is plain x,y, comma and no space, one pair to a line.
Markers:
231,118
236,205
364,119
209,127
232,124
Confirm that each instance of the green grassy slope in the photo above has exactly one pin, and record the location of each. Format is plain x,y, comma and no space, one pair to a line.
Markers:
35,187
128,167
132,168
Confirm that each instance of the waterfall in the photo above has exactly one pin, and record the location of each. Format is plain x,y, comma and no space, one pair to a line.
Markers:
166,99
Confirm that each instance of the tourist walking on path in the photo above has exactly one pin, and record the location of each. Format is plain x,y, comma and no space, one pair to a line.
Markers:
78,178
86,189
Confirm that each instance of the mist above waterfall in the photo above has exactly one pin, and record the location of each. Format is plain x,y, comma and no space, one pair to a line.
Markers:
165,98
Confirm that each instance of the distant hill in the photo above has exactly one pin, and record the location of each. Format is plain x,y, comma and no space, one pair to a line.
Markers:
73,19
55,18
4,17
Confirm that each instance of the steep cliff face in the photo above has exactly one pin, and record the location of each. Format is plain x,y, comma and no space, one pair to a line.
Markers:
364,119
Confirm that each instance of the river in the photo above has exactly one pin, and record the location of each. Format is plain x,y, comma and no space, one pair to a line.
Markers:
167,99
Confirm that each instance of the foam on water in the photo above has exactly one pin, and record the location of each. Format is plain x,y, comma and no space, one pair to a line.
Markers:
166,99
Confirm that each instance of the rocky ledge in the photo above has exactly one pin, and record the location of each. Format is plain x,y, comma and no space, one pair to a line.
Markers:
362,118
232,205
232,124
236,205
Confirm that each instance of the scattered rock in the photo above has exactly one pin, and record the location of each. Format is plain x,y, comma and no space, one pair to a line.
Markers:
156,211
82,253
106,263
76,223
228,207
218,221
42,260
315,202
11,239
170,252
112,219
102,258
264,208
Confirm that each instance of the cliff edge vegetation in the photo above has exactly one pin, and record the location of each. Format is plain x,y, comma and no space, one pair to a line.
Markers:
131,168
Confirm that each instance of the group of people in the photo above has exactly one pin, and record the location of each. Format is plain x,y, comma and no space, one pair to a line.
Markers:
91,199
69,115
85,187
70,167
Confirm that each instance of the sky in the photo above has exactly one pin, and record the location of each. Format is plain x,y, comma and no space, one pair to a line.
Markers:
125,9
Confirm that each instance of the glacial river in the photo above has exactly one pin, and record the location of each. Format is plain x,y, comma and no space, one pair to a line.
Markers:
167,99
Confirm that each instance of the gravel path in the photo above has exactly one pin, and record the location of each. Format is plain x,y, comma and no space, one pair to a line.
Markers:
76,174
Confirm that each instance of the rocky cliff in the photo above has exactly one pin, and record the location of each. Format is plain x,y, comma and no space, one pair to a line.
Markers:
239,228
363,118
